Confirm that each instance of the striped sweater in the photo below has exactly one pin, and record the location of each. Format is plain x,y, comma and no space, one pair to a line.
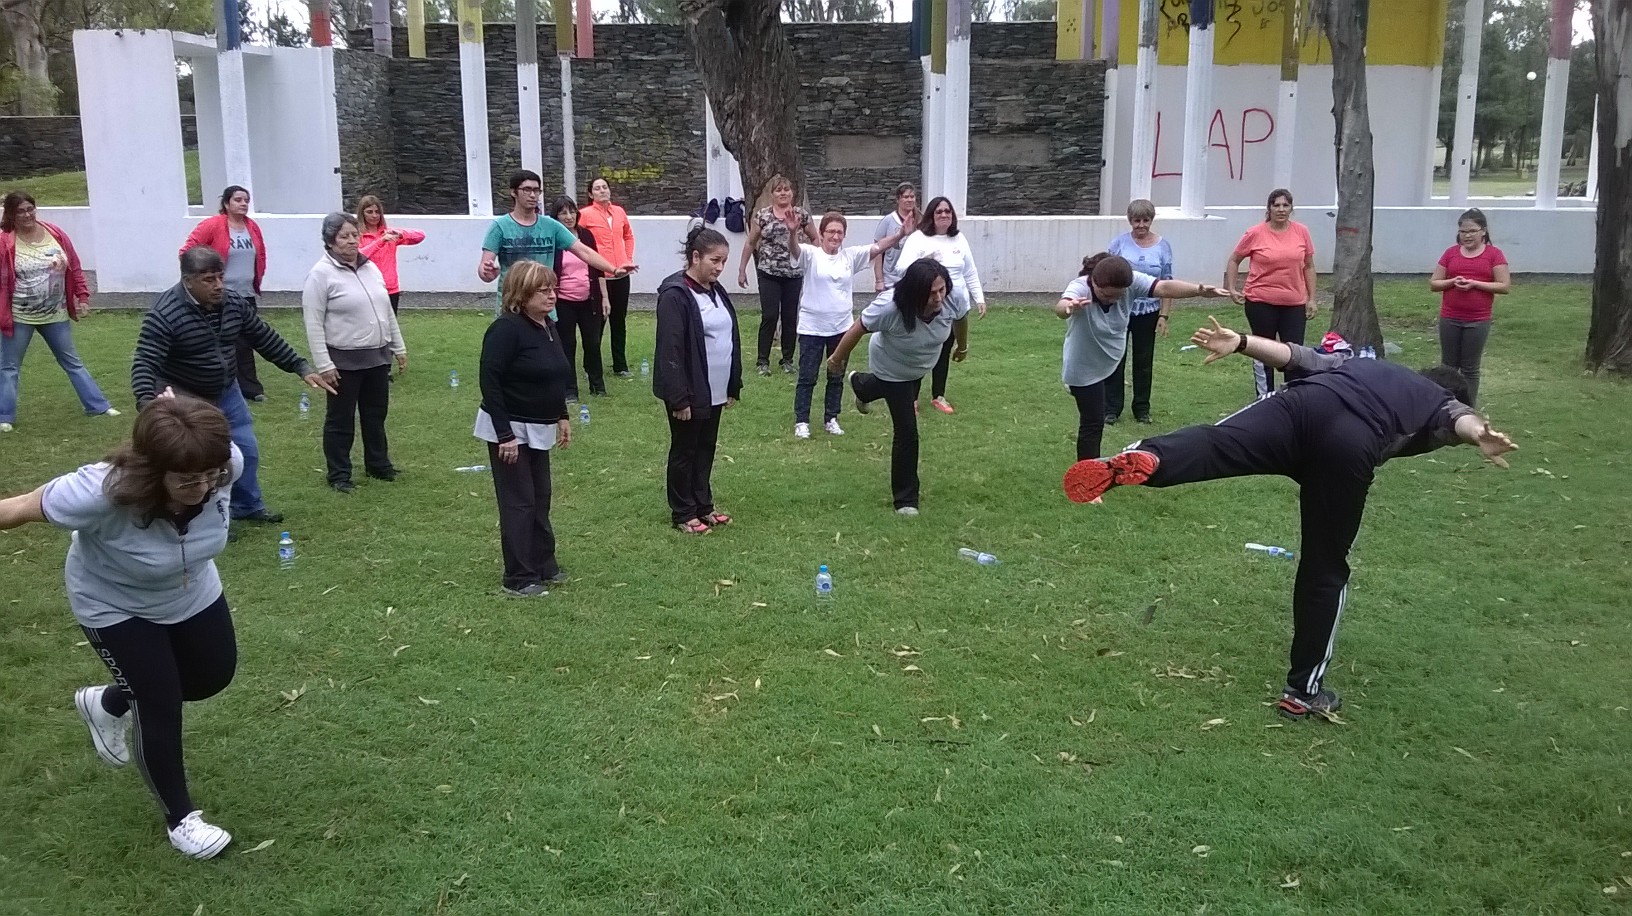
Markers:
192,348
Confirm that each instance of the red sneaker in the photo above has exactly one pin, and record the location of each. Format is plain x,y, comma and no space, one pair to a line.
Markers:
941,405
1090,478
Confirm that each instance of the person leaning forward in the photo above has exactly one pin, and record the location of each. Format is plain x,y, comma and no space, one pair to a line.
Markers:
189,342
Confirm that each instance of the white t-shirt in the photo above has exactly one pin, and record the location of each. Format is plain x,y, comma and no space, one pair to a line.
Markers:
718,345
826,303
953,253
118,569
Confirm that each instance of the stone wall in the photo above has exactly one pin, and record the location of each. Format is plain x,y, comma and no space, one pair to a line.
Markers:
1034,136
42,146
362,93
427,137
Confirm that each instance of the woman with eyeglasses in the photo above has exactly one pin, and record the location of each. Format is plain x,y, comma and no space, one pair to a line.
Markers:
42,291
938,238
1469,277
148,522
237,239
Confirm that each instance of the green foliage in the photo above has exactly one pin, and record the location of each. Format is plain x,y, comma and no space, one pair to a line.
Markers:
68,189
681,729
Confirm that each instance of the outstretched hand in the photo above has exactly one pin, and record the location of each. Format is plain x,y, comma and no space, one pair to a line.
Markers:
1217,340
1493,445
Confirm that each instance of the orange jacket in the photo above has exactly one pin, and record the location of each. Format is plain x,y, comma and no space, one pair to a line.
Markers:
613,238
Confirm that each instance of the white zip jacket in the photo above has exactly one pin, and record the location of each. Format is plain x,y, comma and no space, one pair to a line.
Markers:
347,309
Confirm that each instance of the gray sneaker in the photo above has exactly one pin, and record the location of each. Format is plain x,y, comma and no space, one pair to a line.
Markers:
850,380
110,733
530,590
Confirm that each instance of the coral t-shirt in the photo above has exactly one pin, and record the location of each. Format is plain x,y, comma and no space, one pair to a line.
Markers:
1276,274
1469,304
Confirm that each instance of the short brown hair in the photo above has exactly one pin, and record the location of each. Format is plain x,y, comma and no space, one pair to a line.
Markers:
831,217
180,435
523,280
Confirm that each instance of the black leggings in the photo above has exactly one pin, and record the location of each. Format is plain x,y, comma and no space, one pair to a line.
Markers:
937,377
1285,323
617,293
156,666
902,398
581,319
1090,418
778,300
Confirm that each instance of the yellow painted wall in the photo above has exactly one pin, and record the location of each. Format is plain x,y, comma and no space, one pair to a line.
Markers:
1403,33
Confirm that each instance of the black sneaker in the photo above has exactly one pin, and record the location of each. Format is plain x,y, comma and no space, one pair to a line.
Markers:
764,368
386,474
342,486
1295,704
261,515
1143,418
1111,418
860,405
787,366
572,396
624,373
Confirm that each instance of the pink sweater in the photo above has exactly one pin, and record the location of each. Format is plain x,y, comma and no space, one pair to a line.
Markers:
383,252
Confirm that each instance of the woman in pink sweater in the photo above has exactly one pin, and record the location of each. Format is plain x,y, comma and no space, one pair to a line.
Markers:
380,243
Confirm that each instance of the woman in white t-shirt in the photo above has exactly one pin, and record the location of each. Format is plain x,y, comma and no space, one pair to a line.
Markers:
938,238
826,311
148,523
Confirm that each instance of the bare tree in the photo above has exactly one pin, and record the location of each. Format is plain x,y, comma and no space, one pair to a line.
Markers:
750,76
1354,311
1609,336
28,48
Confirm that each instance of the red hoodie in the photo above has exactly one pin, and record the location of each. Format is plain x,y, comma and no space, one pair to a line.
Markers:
74,279
215,233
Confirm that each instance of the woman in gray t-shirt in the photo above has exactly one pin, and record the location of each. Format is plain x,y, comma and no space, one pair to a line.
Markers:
148,523
1096,307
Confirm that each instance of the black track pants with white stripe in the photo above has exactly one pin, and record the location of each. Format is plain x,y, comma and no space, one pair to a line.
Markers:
1305,433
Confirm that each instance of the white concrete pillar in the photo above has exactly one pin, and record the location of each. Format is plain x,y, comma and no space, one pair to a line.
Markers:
1467,95
1552,106
527,100
569,139
1198,113
1286,98
235,121
1592,156
934,130
724,173
1144,103
955,107
473,101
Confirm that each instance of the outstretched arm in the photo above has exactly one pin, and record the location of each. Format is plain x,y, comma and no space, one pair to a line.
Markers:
20,510
1220,342
1475,430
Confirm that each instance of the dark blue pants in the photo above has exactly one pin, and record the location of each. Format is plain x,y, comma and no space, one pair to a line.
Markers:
813,352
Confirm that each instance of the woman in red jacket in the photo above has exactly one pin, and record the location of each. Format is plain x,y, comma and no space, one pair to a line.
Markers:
237,239
42,287
379,243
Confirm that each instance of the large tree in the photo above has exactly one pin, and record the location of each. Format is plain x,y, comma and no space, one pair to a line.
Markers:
751,79
1354,312
1609,337
24,21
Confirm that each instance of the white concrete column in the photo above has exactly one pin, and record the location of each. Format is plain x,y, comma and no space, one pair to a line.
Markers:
527,100
235,120
1552,107
1286,98
1110,159
1198,113
1467,95
1144,103
934,130
955,107
1592,156
473,101
569,140
724,173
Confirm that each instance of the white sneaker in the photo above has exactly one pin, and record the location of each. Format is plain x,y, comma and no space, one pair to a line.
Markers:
801,430
110,733
6,427
833,428
111,412
196,839
907,512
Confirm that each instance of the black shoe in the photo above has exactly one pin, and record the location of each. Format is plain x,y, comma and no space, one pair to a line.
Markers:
1295,704
764,368
624,373
1111,418
257,398
342,486
560,578
1143,418
598,392
387,474
572,396
264,515
787,366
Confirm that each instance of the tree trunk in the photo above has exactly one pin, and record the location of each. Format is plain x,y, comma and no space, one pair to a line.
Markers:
1609,337
1354,313
22,17
750,75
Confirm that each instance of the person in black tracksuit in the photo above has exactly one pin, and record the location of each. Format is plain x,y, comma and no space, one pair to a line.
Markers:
1328,430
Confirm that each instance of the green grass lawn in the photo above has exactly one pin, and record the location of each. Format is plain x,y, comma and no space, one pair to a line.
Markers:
1505,183
67,189
682,729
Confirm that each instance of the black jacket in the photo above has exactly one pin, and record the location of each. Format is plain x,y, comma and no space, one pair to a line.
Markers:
588,238
195,348
524,373
680,367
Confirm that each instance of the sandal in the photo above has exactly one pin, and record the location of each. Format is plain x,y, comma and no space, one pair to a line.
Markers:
692,526
716,519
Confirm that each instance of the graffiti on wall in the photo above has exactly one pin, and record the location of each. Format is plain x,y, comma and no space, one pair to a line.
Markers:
1255,126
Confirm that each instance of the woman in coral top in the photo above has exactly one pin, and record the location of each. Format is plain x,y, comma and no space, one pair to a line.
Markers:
1469,277
379,243
1280,288
237,239
616,242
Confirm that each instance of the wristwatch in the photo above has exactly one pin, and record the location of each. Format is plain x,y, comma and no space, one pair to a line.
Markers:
1242,346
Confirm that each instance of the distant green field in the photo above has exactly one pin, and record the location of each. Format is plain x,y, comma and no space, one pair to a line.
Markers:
67,189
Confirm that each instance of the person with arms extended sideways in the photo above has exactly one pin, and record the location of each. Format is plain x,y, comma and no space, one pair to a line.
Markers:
1329,430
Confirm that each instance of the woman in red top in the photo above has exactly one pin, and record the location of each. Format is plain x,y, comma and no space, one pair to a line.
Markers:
237,239
1280,288
1469,277
379,243
615,240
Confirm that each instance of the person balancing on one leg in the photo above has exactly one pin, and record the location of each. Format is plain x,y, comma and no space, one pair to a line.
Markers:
1328,431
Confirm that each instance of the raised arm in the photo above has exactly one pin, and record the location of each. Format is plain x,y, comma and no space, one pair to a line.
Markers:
1186,289
20,510
593,258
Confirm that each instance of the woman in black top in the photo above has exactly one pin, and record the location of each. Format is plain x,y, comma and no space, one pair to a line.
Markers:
524,379
578,309
697,373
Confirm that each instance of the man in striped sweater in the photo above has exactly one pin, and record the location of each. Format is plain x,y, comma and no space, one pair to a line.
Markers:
188,342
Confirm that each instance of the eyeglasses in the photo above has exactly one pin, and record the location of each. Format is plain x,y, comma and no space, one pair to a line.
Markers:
524,189
26,211
214,479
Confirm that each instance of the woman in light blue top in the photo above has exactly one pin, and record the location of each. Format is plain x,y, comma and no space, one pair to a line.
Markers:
1150,254
1096,306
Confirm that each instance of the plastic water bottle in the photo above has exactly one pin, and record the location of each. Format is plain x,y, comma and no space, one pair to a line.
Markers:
583,414
286,551
824,583
472,469
984,559
305,406
1270,550
645,367
1187,347
453,379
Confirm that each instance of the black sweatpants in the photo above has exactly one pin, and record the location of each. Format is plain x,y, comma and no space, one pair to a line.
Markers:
691,465
364,400
1305,433
943,366
778,301
1285,323
1090,418
617,294
1142,352
525,536
155,667
248,382
581,319
901,398
396,302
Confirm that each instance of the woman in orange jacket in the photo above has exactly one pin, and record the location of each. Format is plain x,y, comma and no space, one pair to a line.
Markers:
616,242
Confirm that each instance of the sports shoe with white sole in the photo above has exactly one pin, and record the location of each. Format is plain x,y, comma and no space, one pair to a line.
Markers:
907,512
833,428
1089,478
109,733
196,839
850,379
1295,704
801,430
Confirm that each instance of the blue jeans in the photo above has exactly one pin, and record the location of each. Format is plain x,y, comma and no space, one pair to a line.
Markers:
813,353
59,336
246,493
